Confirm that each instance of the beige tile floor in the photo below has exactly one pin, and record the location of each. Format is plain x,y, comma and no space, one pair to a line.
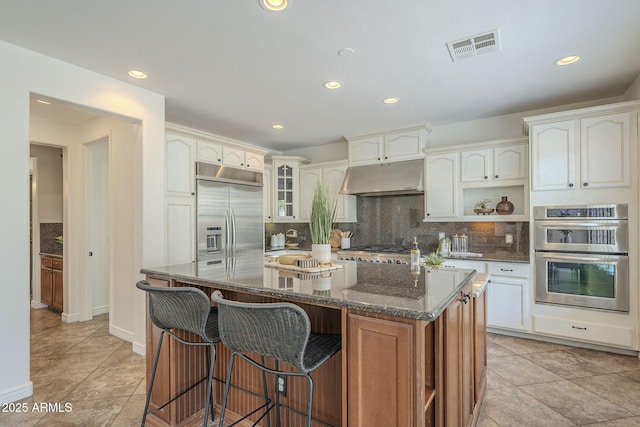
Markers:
530,383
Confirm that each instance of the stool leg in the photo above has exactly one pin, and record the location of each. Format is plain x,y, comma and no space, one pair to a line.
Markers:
211,353
277,398
310,405
227,386
266,394
153,377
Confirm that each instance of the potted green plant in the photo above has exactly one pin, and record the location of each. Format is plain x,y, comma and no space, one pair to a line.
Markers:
433,260
323,212
482,207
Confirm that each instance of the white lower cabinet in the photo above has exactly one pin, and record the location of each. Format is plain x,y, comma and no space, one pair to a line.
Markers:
180,237
610,334
507,291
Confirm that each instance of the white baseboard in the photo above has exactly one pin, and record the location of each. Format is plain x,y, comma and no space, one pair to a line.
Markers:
570,343
38,305
140,349
121,333
17,393
70,318
100,310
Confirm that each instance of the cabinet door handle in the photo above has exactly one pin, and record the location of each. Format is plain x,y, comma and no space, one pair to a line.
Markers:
486,177
489,281
497,176
241,164
586,184
386,157
378,158
428,214
576,327
220,160
506,269
571,185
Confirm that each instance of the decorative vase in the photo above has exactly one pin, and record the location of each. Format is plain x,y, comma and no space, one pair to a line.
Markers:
321,252
504,207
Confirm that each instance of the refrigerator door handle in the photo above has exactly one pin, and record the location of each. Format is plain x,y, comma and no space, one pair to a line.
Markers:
233,228
227,231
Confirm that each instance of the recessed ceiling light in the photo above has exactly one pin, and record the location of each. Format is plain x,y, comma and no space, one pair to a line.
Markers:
137,74
390,100
274,5
568,60
42,101
278,126
333,84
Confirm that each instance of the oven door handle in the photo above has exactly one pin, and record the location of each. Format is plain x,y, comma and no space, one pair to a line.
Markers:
581,257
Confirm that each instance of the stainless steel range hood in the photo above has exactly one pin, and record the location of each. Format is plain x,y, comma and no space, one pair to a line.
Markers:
385,179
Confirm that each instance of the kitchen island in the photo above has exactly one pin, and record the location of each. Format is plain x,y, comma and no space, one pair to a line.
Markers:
413,348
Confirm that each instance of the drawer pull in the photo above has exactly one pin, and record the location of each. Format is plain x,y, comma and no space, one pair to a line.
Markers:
576,327
506,269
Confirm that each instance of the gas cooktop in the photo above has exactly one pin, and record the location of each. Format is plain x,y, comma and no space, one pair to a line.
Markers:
380,254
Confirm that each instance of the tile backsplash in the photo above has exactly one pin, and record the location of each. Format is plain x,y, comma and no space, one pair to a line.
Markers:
48,233
395,220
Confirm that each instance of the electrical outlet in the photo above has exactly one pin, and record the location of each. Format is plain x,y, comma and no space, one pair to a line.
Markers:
281,385
508,238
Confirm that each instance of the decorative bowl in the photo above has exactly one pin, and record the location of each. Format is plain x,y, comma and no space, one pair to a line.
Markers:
483,211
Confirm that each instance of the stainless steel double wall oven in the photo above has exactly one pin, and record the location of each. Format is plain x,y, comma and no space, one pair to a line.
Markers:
582,256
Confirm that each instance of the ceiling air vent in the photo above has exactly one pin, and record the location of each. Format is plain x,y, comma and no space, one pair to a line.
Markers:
474,45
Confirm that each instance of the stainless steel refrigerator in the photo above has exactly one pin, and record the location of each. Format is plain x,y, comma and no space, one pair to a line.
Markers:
229,215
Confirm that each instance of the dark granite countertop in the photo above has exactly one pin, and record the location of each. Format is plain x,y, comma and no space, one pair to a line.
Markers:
53,255
380,288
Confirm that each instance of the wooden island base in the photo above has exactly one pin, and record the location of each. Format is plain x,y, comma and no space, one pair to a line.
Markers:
391,371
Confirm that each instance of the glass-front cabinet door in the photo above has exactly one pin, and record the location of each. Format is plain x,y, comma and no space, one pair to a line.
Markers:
286,176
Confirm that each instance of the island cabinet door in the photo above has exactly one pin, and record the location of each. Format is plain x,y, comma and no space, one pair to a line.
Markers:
380,372
458,398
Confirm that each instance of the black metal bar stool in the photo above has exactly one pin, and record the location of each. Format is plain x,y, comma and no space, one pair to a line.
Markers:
281,331
186,309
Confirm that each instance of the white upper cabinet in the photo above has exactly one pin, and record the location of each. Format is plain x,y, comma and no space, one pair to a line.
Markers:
510,162
587,152
494,164
460,177
286,188
441,185
553,156
368,150
220,152
209,151
180,165
393,146
242,159
475,165
332,175
310,176
605,144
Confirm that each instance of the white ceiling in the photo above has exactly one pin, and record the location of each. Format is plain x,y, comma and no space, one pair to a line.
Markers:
231,68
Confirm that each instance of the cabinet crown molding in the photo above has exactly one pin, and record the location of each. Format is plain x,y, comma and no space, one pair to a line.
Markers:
476,145
428,127
194,133
618,107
